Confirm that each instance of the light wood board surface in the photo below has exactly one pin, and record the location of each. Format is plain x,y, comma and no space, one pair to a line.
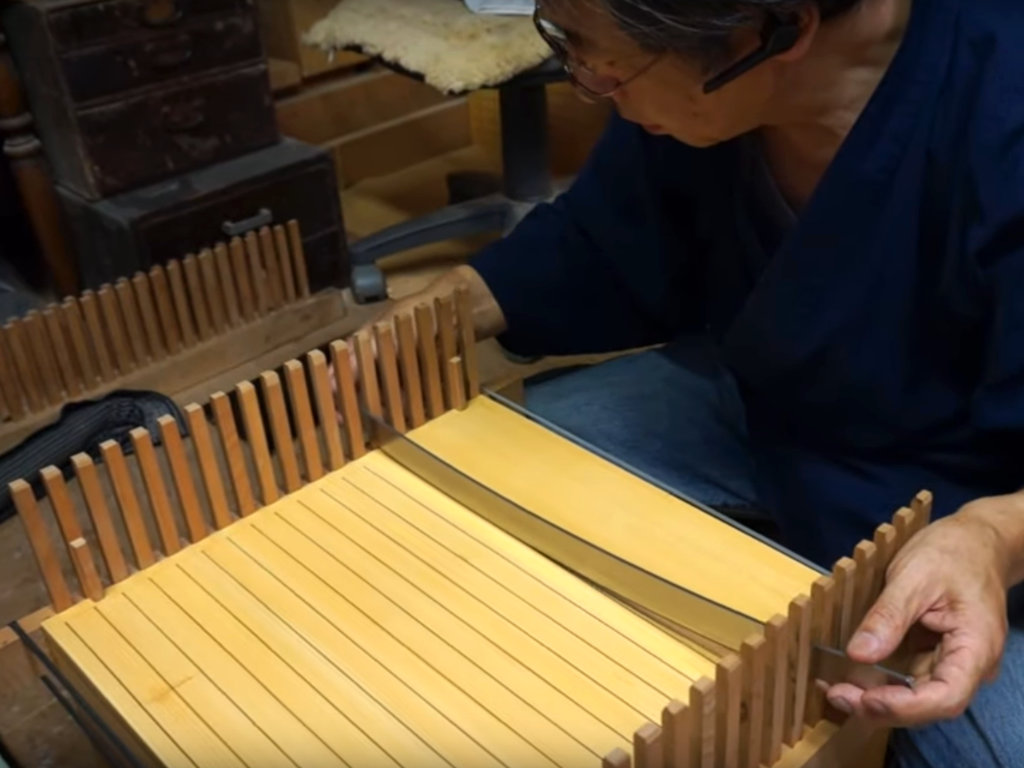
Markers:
369,620
630,518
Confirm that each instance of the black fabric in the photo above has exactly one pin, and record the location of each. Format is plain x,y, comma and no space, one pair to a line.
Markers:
81,428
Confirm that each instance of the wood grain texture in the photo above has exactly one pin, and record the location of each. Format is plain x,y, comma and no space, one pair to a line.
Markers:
284,441
42,545
347,398
128,503
209,467
227,431
302,412
326,414
102,523
156,491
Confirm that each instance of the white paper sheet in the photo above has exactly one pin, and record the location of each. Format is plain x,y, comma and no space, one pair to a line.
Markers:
505,7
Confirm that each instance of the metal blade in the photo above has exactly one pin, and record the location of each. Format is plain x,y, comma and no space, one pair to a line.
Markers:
832,666
715,626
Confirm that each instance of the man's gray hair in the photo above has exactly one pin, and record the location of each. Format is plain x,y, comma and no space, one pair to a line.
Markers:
703,27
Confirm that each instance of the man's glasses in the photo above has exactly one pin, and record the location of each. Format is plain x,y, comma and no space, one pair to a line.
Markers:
777,36
586,80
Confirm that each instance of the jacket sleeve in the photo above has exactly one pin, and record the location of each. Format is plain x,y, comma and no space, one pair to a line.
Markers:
603,267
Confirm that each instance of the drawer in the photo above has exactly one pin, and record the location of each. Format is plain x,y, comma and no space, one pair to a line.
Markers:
81,26
161,133
135,230
304,194
213,43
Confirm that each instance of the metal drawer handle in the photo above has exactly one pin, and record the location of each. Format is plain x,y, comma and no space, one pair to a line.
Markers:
264,218
161,13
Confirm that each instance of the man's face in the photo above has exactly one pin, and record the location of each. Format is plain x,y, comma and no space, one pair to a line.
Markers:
668,98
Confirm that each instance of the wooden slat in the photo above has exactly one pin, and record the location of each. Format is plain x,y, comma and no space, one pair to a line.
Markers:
800,644
285,262
272,266
128,502
284,442
209,467
648,747
213,291
823,620
115,325
754,655
42,545
156,491
616,759
456,392
232,446
845,574
24,368
430,365
444,311
865,555
412,384
242,274
299,259
369,385
922,506
85,567
675,729
34,337
185,484
227,284
150,317
71,530
70,377
387,362
84,358
97,336
102,522
347,398
325,411
197,297
302,412
134,329
260,279
777,637
182,305
10,383
169,325
8,389
728,703
885,545
257,438
702,724
467,341
903,522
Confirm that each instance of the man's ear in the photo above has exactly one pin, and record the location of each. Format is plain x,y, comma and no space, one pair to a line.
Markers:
807,21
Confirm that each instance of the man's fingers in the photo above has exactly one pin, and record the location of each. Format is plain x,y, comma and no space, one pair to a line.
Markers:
943,696
900,605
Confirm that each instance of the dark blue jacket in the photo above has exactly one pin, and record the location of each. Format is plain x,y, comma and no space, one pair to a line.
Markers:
879,341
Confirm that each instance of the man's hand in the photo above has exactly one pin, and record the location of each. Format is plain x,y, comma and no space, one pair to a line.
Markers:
950,580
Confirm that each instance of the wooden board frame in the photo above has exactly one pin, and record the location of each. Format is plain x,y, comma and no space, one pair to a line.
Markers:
759,709
168,330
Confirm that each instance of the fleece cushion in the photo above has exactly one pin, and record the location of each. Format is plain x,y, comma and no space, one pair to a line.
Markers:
454,49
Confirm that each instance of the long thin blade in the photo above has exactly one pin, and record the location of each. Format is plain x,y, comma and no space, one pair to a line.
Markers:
713,625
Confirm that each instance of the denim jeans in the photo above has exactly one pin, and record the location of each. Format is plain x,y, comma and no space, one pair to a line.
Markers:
676,415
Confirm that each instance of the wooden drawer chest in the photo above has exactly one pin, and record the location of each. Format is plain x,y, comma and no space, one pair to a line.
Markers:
133,231
129,92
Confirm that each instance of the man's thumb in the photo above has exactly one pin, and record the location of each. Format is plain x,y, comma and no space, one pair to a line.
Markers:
885,626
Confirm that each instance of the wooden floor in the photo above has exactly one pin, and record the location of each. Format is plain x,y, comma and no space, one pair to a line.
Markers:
311,632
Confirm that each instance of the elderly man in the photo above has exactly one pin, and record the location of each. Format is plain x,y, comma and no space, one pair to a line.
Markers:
817,208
